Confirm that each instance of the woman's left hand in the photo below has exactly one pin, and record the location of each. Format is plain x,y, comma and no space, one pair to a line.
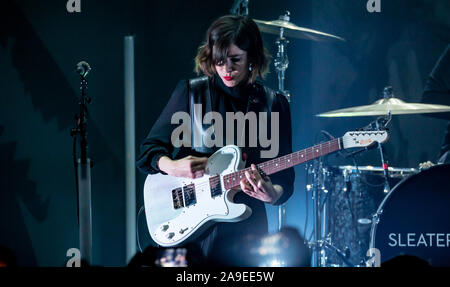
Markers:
260,187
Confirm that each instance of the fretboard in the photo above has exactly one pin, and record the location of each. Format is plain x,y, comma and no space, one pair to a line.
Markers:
232,180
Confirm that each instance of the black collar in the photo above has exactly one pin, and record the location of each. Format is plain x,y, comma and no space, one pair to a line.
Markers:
240,91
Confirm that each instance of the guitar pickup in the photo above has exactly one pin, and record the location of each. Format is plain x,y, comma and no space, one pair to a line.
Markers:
177,197
214,183
189,195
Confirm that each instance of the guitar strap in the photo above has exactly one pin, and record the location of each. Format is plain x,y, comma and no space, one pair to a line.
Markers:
199,93
270,96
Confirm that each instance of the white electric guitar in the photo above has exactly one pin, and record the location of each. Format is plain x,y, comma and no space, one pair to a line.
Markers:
178,209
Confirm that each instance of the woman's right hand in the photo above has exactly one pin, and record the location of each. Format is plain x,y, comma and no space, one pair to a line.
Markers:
190,166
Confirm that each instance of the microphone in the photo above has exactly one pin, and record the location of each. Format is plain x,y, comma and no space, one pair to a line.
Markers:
83,69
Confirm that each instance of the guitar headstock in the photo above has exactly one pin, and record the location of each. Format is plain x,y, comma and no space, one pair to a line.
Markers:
364,138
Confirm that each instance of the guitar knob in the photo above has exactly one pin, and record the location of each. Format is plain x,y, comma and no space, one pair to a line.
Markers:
170,235
164,227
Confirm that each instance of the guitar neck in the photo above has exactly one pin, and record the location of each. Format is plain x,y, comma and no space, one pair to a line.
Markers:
287,161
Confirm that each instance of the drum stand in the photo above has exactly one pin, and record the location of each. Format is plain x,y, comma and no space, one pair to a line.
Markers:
281,64
240,7
281,61
371,260
322,240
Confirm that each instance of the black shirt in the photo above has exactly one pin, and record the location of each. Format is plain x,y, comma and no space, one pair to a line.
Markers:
224,99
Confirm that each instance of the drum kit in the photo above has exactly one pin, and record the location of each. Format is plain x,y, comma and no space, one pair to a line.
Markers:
368,221
358,219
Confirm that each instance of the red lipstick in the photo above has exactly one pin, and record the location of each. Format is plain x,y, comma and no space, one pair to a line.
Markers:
228,78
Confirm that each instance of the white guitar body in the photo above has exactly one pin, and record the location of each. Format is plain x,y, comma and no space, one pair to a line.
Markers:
170,226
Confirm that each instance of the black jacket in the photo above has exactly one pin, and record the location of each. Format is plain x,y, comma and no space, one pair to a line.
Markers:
248,97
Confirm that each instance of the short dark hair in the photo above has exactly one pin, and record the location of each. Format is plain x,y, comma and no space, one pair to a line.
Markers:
240,31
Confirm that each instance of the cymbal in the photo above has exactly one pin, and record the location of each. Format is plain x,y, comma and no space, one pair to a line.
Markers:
385,106
294,31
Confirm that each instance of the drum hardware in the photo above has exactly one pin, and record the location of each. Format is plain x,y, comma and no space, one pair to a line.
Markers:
383,108
373,219
281,61
326,244
316,245
294,31
388,105
319,227
370,262
322,237
283,28
381,124
393,171
281,64
323,243
364,221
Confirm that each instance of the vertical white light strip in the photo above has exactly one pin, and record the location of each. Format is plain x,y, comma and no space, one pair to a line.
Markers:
281,216
130,167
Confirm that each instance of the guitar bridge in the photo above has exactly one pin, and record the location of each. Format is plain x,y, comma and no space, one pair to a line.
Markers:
177,197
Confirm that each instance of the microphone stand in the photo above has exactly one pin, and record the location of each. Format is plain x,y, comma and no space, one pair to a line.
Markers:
83,172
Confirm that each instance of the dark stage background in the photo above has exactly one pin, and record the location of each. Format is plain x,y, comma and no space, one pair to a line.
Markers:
40,44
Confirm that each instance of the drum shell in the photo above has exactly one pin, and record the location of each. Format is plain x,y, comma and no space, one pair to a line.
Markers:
353,198
414,218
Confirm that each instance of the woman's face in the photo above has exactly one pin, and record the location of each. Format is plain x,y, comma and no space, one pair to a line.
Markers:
234,69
